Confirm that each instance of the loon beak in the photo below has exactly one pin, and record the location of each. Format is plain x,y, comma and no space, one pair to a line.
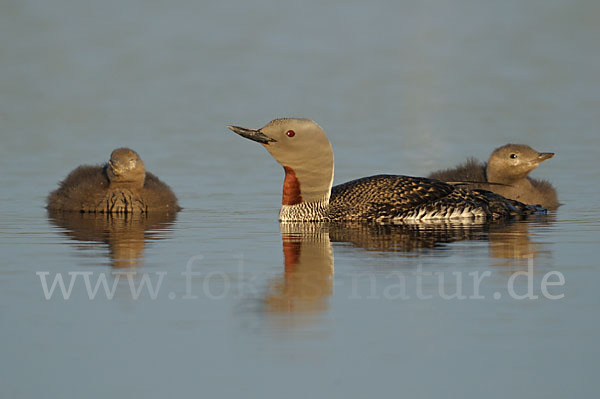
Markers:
252,134
544,155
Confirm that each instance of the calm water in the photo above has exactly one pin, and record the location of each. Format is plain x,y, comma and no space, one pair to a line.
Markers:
400,87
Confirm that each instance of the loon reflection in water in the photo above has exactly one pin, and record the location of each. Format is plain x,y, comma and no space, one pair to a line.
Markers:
124,235
306,283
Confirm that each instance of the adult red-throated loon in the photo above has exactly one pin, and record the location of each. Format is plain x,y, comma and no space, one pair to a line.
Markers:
304,151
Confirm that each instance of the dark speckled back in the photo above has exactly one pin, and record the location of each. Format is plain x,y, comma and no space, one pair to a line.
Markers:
395,198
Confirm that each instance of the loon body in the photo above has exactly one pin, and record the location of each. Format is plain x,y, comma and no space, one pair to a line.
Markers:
304,151
508,167
120,186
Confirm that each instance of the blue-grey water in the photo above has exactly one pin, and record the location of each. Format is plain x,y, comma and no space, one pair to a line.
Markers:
275,311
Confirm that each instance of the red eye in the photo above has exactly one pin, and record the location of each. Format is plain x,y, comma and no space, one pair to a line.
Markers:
290,133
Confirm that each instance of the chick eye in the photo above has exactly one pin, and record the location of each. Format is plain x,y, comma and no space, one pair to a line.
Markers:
513,156
290,133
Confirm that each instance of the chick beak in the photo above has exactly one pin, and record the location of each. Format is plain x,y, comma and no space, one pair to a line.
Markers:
544,156
113,167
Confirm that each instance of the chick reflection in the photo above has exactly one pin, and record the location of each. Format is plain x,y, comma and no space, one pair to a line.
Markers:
307,281
512,244
125,235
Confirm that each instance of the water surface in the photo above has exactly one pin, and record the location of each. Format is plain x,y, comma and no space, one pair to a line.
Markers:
400,87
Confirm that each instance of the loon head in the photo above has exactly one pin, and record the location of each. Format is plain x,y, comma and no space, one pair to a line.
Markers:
513,162
126,167
304,151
